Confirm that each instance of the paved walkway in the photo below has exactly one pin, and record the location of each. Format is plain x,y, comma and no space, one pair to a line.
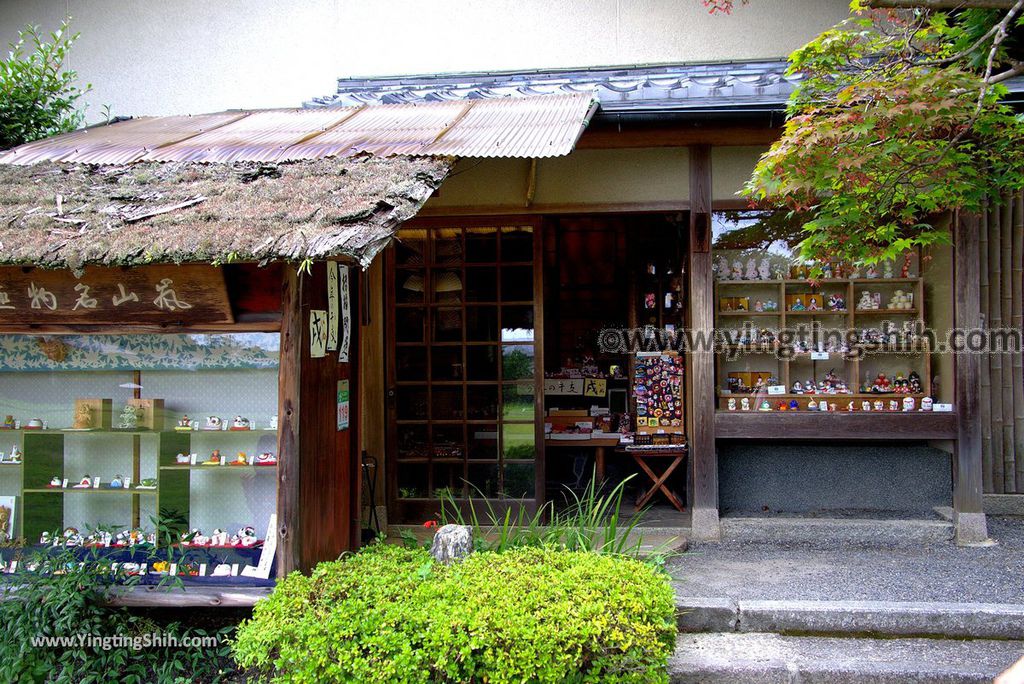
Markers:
885,569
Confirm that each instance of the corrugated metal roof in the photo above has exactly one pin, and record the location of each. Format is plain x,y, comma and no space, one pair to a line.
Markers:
530,127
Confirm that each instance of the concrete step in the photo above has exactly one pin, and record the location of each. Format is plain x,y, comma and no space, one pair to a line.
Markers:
863,618
758,658
832,531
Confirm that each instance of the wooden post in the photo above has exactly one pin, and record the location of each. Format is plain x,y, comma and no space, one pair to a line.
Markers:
703,458
1005,302
995,361
288,423
968,515
988,466
1017,321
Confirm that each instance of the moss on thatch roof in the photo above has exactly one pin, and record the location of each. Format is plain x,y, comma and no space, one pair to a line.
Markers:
58,216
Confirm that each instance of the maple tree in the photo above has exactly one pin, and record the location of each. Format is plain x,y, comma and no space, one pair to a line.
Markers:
898,118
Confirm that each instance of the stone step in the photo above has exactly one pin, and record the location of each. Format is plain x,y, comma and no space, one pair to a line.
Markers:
758,658
835,531
865,618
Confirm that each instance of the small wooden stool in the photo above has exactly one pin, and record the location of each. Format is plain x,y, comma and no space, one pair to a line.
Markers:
643,454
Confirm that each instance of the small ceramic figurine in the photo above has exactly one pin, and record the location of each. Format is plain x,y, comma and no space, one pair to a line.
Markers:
182,459
15,455
793,405
836,303
758,305
83,418
765,406
798,305
812,304
117,482
764,270
732,404
8,423
798,387
812,405
866,301
849,407
268,459
55,481
34,424
213,423
926,404
722,268
905,271
887,269
84,483
865,406
214,460
894,405
219,538
751,269
44,539
147,483
744,404
184,425
199,539
240,459
872,271
908,404
240,423
129,419
247,536
826,271
878,405
914,382
737,270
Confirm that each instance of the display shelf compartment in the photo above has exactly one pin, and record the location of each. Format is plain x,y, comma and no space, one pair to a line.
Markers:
101,490
218,468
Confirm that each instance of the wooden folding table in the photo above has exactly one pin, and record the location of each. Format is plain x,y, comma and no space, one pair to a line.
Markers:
644,455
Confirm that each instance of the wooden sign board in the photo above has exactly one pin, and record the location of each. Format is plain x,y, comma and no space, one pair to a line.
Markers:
176,295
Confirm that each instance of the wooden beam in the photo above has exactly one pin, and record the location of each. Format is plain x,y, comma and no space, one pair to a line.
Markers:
701,385
188,597
841,425
969,517
547,209
608,137
941,4
289,386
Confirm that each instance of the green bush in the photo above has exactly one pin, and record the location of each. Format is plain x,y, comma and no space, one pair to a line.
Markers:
389,614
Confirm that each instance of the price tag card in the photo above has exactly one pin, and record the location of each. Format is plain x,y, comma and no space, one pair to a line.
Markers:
776,389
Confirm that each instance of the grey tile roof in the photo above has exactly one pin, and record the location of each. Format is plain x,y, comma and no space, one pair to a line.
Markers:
642,88
750,86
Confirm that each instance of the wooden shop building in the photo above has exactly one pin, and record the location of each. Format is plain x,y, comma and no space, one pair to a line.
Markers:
277,332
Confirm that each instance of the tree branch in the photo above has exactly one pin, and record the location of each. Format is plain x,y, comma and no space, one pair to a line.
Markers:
1016,70
940,4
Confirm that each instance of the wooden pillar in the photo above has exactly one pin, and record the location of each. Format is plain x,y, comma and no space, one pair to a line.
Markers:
288,551
701,386
968,515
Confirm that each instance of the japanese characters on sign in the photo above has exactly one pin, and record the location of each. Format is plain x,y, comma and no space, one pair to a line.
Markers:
192,294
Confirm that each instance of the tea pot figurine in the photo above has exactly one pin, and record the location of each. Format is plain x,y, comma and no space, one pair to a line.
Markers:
213,423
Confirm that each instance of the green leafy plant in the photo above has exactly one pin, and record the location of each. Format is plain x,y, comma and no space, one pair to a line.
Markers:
38,94
531,614
64,596
898,119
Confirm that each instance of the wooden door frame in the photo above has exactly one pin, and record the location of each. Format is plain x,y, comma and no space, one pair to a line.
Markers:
391,452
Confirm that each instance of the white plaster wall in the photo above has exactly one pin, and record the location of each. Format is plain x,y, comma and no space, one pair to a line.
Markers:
181,56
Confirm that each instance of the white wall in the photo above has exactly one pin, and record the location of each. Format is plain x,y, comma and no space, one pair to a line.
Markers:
187,56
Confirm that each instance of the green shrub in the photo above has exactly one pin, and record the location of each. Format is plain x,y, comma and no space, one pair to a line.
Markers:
388,614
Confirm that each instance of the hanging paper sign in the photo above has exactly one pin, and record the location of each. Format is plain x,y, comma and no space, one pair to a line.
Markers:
317,333
563,386
332,305
346,314
595,387
343,405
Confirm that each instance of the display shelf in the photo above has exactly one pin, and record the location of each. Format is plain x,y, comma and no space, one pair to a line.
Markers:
206,468
90,490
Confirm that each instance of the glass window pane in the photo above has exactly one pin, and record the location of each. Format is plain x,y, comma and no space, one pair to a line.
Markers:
447,325
517,362
449,442
446,364
447,403
517,243
483,480
447,245
412,480
517,324
410,247
449,480
410,363
409,285
411,403
483,402
482,362
409,325
481,324
447,286
483,442
413,442
519,481
481,245
482,284
517,283
518,401
518,441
